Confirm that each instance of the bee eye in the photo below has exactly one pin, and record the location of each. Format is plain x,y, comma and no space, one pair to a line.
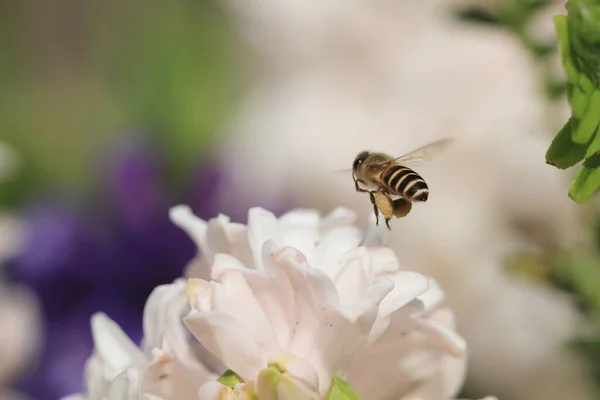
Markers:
359,159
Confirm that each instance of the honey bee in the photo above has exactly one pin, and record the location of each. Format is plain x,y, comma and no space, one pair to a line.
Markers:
384,177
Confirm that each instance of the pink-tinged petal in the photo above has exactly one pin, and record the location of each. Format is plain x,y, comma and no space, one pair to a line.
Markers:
332,247
164,328
272,269
216,237
351,281
277,301
301,369
113,346
237,235
224,263
365,310
384,380
437,331
164,310
214,391
300,218
299,229
446,380
433,297
126,386
313,282
196,228
290,388
228,339
198,267
338,218
334,344
199,293
262,226
407,287
354,275
167,377
234,297
311,297
304,239
383,260
325,333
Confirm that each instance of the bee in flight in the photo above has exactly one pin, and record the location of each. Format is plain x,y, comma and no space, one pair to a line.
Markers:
384,177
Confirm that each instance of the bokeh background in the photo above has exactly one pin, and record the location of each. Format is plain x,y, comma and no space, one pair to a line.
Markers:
111,112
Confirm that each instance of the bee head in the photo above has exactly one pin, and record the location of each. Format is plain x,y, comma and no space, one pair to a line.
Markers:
359,159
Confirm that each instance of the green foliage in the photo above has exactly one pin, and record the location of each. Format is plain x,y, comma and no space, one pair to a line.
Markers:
589,347
161,69
341,390
230,379
579,39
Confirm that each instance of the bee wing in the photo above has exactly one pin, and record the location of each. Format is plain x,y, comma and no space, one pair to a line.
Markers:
339,171
423,153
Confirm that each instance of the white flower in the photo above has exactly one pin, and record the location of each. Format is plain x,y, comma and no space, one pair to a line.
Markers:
316,299
166,366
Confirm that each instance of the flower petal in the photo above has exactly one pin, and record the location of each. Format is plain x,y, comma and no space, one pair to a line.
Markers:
383,260
352,279
328,334
365,310
273,292
438,332
226,338
234,297
299,368
164,328
262,226
196,228
126,386
332,247
214,391
407,287
299,218
433,297
338,218
224,263
113,346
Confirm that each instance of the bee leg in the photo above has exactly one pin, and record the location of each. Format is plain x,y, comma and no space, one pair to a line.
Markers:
387,223
358,189
384,204
375,210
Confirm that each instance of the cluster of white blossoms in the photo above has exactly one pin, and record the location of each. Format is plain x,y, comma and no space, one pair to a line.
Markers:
279,309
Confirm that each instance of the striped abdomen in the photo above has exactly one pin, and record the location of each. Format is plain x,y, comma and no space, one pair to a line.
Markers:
405,182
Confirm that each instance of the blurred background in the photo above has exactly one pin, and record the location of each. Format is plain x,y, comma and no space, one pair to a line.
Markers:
111,112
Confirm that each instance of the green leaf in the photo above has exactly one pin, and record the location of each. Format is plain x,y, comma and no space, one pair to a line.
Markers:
580,94
560,24
230,379
579,42
341,390
587,180
589,123
563,152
